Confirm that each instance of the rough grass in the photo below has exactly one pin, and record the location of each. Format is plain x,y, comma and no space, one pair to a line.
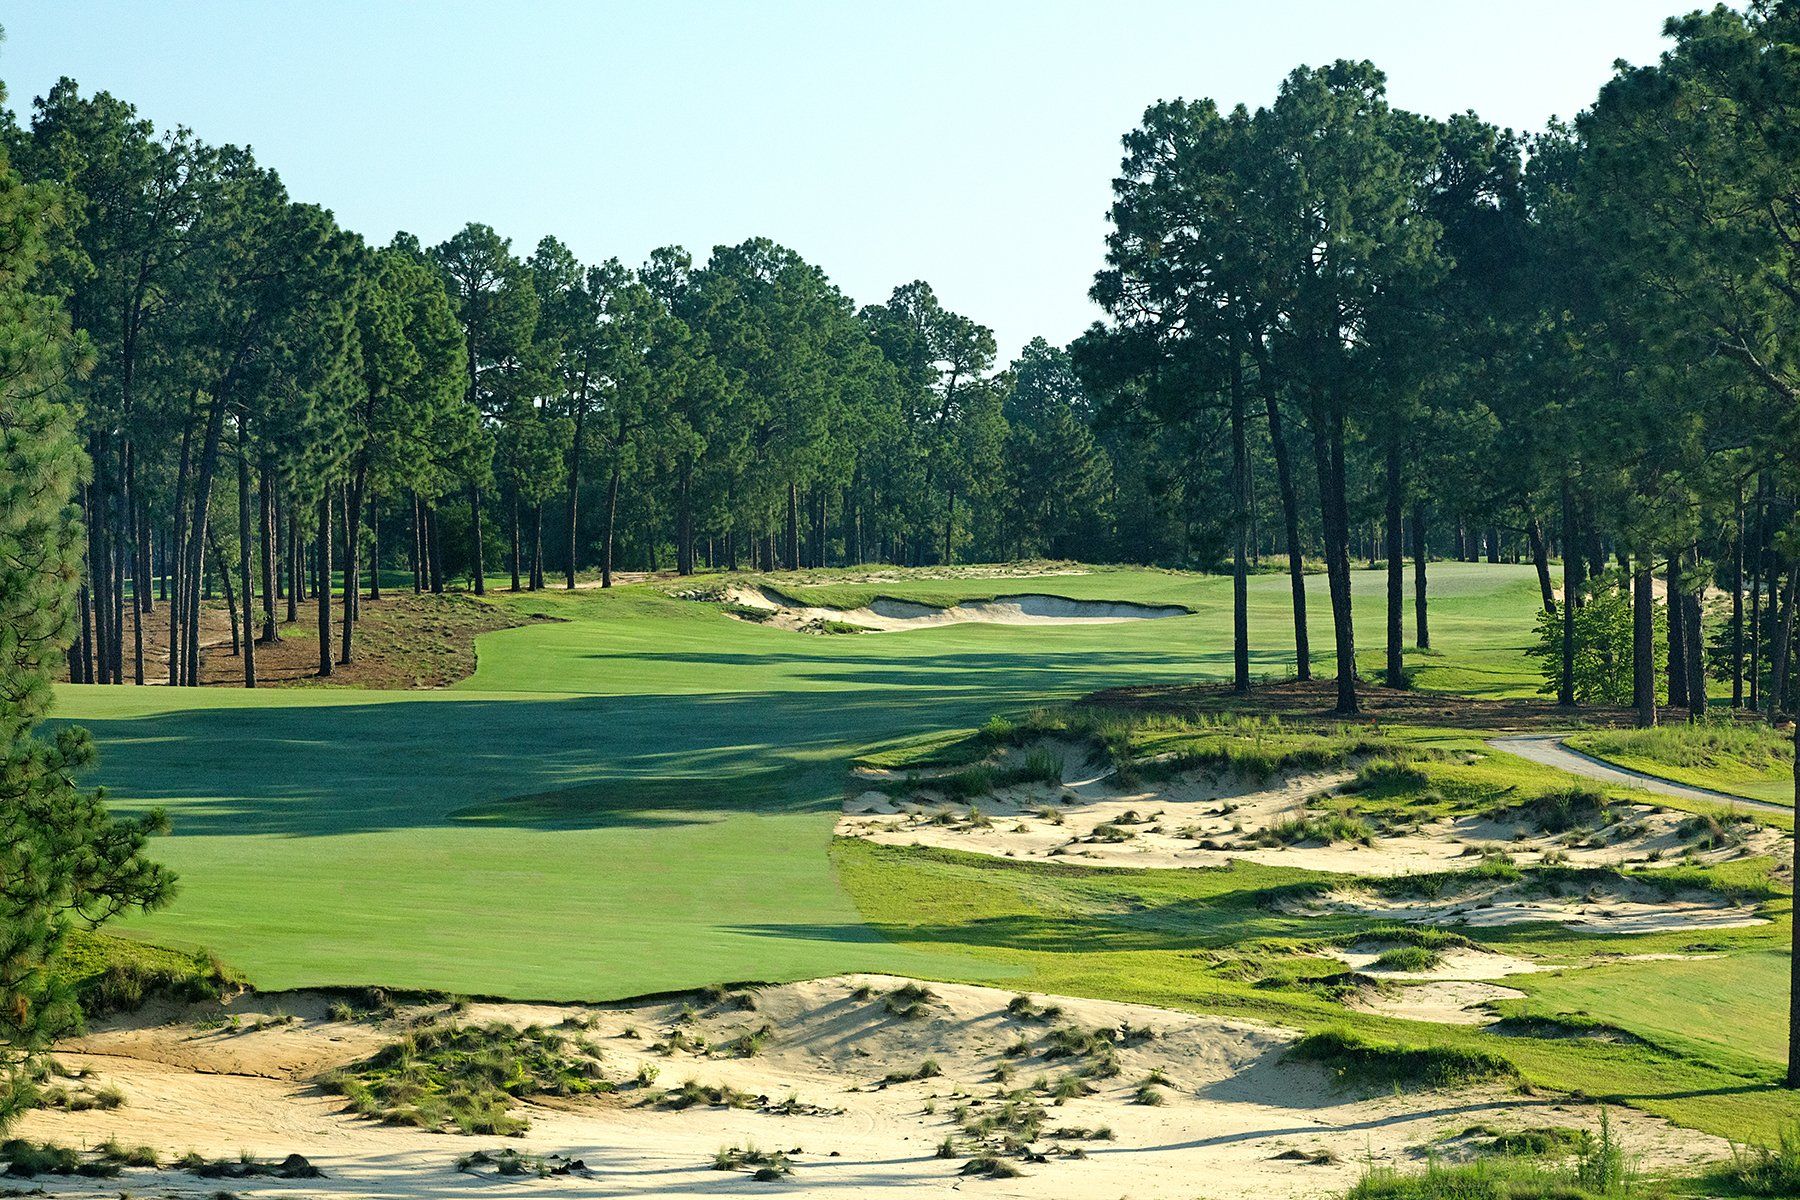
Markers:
112,974
1742,758
1355,1059
467,1077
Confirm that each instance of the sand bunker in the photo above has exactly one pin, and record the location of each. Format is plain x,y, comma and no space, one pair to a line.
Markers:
1233,1111
1201,819
887,615
1621,906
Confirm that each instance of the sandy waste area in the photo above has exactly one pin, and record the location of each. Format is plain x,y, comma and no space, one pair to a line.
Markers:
859,1090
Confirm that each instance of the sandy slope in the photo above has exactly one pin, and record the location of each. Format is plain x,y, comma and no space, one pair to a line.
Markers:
1238,1121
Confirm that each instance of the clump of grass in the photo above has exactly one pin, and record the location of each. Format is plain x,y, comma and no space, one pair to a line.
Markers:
693,1093
764,1165
908,1001
1329,828
1148,1094
24,1160
1765,1170
1713,830
990,1166
749,1043
466,1077
1387,775
929,1069
1562,810
1408,958
1538,1141
1353,1058
1024,1008
127,1156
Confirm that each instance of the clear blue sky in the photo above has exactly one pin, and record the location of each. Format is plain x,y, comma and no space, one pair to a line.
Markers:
970,144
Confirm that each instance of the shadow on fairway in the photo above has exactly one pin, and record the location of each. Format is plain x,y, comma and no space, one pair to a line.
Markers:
589,762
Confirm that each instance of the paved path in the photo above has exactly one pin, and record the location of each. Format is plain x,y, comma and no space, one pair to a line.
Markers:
1548,749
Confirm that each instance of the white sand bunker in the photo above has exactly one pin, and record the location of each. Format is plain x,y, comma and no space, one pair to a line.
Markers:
885,614
857,1081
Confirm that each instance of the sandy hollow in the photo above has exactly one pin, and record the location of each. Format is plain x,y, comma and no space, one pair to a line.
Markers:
1235,1113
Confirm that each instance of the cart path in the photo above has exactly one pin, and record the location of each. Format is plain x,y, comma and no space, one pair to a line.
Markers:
1549,750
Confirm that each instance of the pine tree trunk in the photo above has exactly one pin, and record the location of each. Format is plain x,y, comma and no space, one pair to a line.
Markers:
1737,603
434,544
1421,616
1643,638
1396,570
612,517
1677,610
266,505
1775,699
1572,569
684,522
1290,518
476,535
1540,558
1328,452
1696,654
416,547
1240,506
518,549
537,547
793,527
352,564
244,549
322,580
222,567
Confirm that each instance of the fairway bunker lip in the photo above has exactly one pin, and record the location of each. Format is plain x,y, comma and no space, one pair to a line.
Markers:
893,614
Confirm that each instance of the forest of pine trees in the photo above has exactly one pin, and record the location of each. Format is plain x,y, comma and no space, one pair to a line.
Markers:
1337,334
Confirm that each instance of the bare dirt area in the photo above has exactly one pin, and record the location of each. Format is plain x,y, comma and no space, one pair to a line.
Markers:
868,1084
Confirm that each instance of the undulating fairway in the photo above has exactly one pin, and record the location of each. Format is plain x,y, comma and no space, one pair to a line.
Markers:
639,794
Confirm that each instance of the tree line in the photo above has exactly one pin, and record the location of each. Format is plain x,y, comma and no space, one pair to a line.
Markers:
1335,330
277,410
1578,344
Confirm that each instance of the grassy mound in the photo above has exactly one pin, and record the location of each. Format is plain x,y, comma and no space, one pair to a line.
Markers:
1361,1061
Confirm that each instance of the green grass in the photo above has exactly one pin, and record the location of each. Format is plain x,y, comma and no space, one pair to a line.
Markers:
1748,760
639,795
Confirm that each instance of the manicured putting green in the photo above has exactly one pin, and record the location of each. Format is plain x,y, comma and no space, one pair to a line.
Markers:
640,795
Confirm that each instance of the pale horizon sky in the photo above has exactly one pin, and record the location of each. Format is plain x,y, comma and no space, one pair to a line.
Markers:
971,145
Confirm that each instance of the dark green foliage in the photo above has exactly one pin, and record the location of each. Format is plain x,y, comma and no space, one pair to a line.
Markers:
64,860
